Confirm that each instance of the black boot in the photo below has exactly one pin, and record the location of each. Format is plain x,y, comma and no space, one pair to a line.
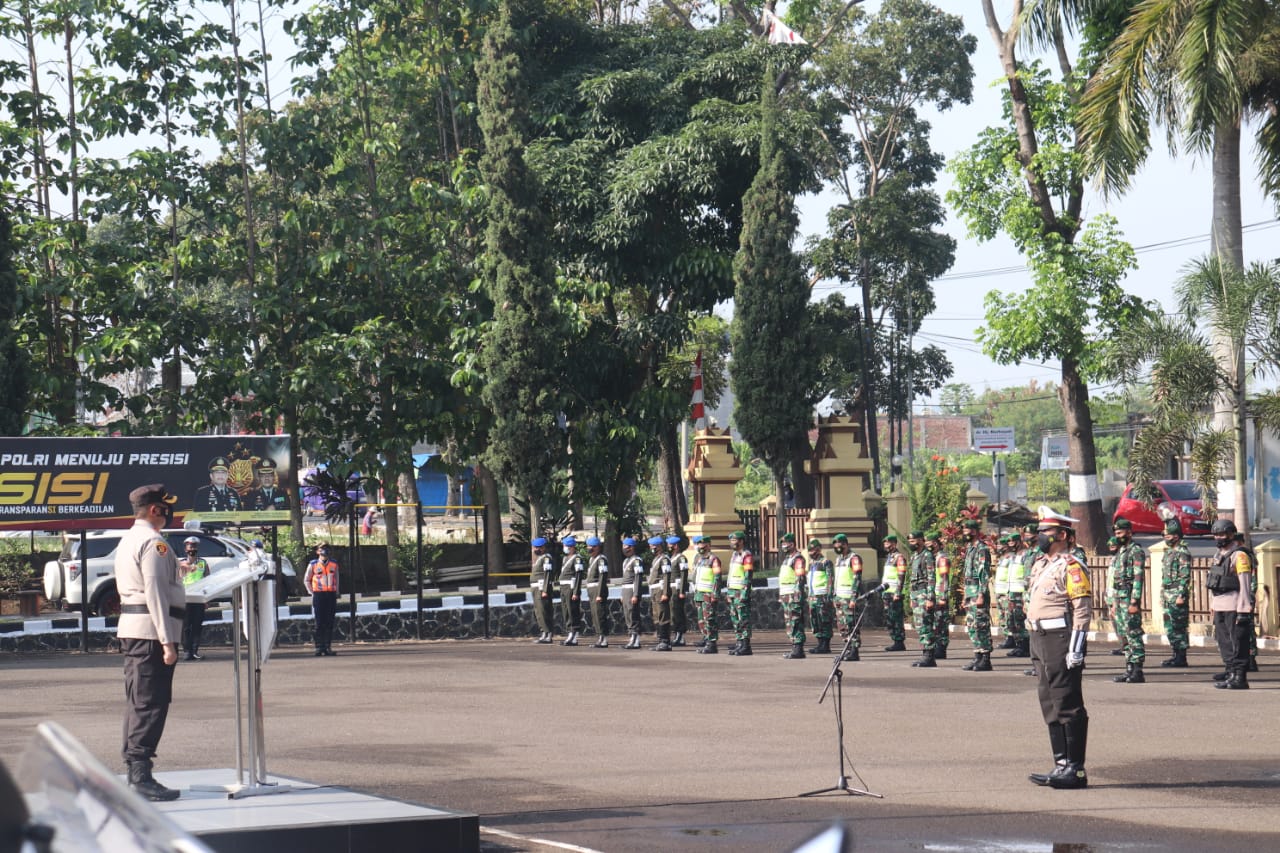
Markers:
700,643
1222,676
940,652
1179,659
1073,775
983,663
851,654
898,646
927,658
1136,676
1124,678
1021,649
797,652
1009,642
744,650
708,648
1058,743
141,780
1239,680
1253,664
971,664
679,640
664,642
737,648
823,647
571,640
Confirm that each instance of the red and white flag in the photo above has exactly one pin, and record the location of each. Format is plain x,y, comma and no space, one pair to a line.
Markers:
778,32
698,412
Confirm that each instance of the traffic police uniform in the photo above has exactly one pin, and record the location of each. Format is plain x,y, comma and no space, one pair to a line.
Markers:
1059,610
792,585
541,581
572,573
598,590
193,569
152,604
848,581
1019,568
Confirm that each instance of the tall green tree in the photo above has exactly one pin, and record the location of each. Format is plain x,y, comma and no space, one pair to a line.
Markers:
522,383
774,357
13,363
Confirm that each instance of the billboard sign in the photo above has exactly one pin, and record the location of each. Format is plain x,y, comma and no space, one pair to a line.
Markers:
1054,452
993,439
84,483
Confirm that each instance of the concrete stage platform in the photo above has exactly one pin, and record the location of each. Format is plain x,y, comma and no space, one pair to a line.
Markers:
310,817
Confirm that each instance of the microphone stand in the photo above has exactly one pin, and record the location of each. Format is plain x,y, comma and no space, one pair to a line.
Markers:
836,677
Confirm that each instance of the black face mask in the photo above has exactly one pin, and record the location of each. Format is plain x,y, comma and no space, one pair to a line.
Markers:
1043,541
1223,544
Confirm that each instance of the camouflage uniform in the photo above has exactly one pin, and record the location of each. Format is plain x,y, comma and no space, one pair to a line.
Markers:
923,598
848,578
977,601
941,597
1019,568
822,612
895,579
741,566
1000,589
1175,585
707,579
792,585
1128,581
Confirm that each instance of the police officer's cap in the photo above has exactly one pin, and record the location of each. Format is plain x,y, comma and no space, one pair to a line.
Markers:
839,537
191,540
540,542
933,536
1123,524
1172,527
737,534
697,540
593,542
219,463
972,524
154,493
673,540
629,542
1224,527
1051,519
266,465
569,542
814,544
656,540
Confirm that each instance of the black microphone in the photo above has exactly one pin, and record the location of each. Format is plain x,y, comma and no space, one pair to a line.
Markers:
881,588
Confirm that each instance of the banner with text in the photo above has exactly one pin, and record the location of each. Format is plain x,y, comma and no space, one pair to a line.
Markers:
75,483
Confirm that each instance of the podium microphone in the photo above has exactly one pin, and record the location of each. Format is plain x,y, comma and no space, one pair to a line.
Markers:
881,588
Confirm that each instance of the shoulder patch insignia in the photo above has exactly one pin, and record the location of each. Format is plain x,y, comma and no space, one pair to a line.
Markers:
748,560
1077,582
162,548
1243,567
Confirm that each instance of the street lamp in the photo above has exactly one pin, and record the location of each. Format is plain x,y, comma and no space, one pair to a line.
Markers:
895,470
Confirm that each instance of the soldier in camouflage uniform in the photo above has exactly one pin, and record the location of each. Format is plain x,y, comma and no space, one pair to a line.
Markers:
660,593
1128,581
1175,592
792,584
541,582
1019,569
822,612
895,581
707,578
848,579
572,573
1109,597
941,595
632,577
977,596
679,589
598,590
741,566
923,584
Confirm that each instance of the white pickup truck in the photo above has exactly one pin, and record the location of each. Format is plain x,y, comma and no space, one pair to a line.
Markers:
62,576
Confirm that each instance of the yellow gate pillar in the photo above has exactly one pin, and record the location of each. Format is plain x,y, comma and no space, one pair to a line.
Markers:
713,473
842,471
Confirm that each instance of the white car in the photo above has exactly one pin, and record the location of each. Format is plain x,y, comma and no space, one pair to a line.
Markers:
62,576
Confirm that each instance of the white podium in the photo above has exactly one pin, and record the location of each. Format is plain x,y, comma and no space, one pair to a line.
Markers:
253,609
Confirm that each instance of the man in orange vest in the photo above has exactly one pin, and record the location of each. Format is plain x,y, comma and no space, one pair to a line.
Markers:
322,581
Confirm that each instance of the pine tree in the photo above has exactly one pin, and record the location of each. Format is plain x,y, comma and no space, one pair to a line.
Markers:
521,351
13,366
774,360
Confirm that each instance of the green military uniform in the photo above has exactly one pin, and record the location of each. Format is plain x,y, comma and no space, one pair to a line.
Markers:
941,595
573,571
848,581
1019,569
679,591
598,591
632,578
1175,592
706,590
792,586
1000,589
923,584
895,580
822,613
977,600
1128,582
741,567
542,577
660,593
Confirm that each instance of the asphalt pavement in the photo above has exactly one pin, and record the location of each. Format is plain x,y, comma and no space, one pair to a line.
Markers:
617,750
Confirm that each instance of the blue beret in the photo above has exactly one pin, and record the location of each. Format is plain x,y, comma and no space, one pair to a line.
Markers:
593,541
673,540
539,542
655,540
568,542
629,541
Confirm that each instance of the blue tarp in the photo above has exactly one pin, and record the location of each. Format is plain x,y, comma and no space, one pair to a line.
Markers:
433,483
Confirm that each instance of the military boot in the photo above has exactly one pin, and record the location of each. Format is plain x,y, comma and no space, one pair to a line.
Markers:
1253,663
851,654
700,643
141,780
1009,642
1179,658
1073,775
571,640
679,640
1124,677
797,652
1119,651
634,642
927,658
664,642
940,652
744,650
1058,743
898,646
983,662
708,648
971,664
1222,676
1021,649
737,648
823,646
1239,680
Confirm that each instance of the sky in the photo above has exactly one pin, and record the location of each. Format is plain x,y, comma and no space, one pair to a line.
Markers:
1165,216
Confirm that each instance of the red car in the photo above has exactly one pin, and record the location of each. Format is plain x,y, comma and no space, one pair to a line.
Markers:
1174,498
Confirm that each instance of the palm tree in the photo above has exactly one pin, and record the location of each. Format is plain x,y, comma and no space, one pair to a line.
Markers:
1201,69
1238,307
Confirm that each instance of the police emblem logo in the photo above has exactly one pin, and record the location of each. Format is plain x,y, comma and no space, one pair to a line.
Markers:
162,548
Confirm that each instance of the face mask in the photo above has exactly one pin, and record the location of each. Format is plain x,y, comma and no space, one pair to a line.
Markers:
1222,543
1043,541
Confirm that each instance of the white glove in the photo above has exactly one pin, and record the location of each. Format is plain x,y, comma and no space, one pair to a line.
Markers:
1074,659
